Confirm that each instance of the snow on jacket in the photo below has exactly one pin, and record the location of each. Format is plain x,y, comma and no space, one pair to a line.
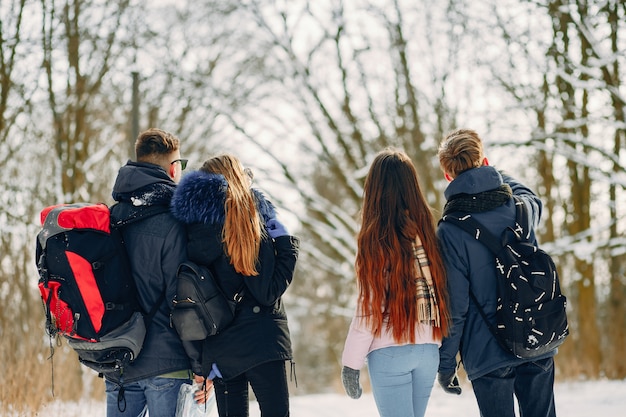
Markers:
259,332
468,262
156,246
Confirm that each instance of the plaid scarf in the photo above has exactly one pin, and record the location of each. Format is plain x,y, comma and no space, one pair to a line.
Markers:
427,309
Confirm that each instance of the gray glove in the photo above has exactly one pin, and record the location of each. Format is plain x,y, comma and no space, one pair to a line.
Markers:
449,381
350,380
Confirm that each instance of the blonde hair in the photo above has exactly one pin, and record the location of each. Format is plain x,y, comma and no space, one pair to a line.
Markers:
242,231
460,150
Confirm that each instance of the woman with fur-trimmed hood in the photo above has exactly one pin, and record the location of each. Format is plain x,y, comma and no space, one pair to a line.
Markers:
232,229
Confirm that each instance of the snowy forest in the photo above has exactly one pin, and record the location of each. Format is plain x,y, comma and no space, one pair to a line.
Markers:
306,92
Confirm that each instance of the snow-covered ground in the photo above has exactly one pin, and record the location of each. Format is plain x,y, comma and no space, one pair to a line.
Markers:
573,399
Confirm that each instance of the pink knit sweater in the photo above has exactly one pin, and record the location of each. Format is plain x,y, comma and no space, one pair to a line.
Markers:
361,341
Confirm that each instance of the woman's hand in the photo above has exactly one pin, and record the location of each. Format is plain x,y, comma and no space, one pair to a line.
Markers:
201,395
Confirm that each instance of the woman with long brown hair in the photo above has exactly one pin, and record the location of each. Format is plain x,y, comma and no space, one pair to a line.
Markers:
402,309
232,229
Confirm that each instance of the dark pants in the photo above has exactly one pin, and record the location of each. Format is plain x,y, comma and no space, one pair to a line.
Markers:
269,383
531,382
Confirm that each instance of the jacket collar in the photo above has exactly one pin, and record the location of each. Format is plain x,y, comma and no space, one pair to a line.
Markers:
200,198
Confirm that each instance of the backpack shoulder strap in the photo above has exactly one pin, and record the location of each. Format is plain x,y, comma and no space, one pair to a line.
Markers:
522,219
480,233
476,229
119,224
148,318
490,325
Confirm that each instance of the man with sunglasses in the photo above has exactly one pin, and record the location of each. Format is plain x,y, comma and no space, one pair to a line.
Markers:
156,245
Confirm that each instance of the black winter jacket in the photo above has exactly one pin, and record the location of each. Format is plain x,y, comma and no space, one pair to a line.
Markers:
259,332
156,246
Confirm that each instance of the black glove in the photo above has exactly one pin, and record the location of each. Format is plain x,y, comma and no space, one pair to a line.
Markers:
449,381
350,380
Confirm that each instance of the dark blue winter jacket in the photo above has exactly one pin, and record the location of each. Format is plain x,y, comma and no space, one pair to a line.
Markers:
468,261
156,246
259,332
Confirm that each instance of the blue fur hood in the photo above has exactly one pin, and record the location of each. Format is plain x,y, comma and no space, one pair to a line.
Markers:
200,198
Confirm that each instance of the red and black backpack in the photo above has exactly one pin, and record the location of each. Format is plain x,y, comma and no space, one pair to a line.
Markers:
87,287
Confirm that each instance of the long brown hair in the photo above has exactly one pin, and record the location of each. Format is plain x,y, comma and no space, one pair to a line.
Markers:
242,232
394,213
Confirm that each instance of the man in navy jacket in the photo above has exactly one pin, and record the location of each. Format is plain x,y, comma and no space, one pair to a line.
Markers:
496,374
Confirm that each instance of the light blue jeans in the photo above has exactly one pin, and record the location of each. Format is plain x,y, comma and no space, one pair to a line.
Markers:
402,378
158,395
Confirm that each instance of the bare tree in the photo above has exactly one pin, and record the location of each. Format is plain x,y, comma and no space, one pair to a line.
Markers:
549,77
306,92
613,75
88,32
587,59
569,54
336,83
24,161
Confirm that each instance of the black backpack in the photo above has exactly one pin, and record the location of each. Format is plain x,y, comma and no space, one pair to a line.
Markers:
201,309
531,317
87,287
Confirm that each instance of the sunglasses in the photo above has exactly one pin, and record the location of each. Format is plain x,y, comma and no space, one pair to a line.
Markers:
183,163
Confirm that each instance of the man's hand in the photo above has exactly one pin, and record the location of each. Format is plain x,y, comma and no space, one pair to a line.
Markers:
449,381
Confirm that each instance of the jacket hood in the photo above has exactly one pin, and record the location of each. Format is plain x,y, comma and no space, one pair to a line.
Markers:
474,181
142,185
200,198
135,176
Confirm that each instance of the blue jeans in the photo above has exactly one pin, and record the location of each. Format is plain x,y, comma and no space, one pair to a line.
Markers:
157,395
531,382
402,378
